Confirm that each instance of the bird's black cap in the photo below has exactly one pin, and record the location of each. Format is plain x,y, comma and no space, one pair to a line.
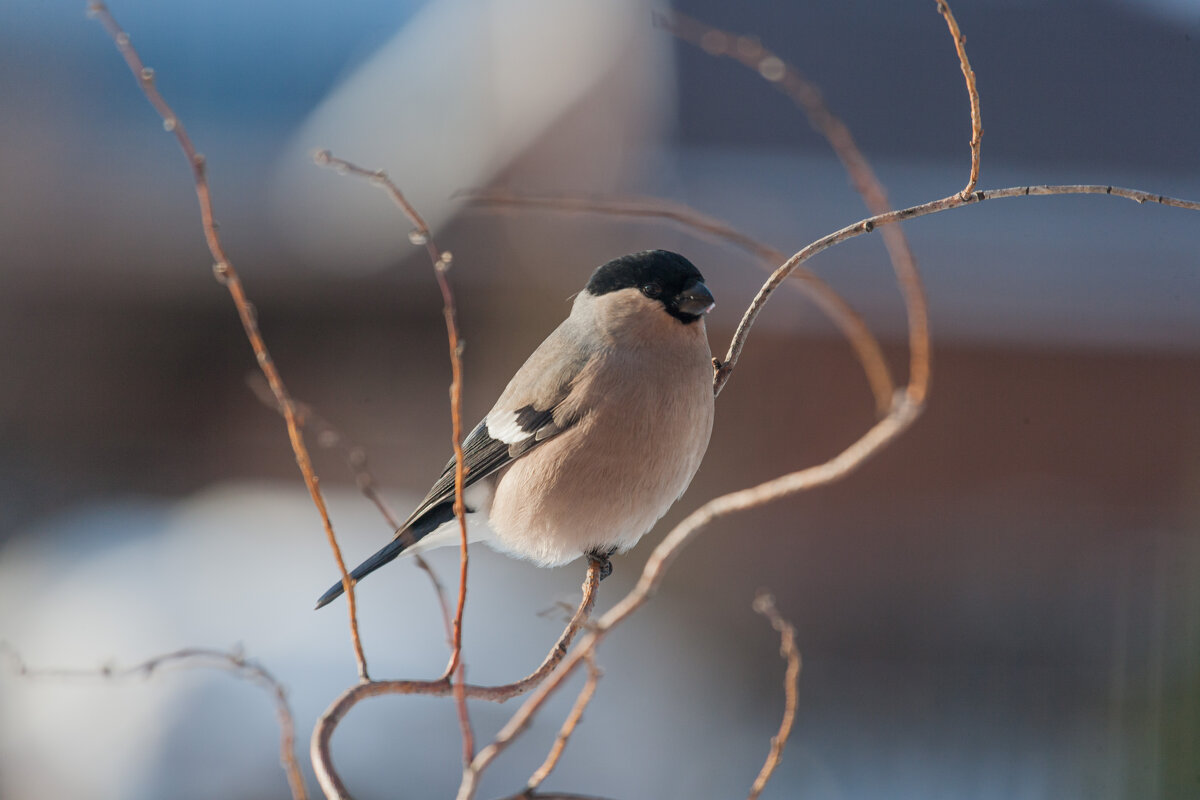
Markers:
660,275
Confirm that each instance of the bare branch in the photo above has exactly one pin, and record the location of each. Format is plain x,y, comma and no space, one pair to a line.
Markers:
441,261
568,727
685,216
765,604
854,328
749,52
232,661
331,783
960,45
924,209
226,275
793,84
591,586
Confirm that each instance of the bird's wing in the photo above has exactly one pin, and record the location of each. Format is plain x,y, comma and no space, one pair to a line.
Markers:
530,411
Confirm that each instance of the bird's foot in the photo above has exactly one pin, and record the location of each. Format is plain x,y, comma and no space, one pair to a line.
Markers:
602,557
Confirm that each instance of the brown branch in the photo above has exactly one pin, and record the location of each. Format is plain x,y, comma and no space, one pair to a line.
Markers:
232,662
854,328
441,261
749,52
568,727
321,754
765,604
228,276
789,81
960,45
924,209
330,437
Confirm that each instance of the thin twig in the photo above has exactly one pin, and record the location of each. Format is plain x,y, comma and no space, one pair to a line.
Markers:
568,727
441,261
854,328
228,276
749,52
329,436
960,45
321,754
232,662
764,604
793,84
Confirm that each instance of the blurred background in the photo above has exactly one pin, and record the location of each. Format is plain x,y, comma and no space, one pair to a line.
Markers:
1005,603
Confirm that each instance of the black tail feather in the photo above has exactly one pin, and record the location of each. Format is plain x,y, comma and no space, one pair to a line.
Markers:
404,539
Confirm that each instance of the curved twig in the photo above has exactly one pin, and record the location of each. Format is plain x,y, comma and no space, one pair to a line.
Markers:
749,52
320,751
568,727
960,46
924,209
232,662
441,260
228,276
765,604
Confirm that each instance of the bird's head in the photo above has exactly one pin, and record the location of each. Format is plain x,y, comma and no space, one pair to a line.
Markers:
660,276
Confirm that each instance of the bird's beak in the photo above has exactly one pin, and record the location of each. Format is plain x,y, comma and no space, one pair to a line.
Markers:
695,299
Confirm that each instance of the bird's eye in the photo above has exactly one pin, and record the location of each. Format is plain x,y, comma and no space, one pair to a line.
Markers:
651,290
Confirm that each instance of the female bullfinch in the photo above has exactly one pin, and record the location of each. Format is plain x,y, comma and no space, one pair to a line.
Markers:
597,434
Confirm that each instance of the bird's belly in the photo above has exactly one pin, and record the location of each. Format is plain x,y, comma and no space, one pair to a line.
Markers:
602,484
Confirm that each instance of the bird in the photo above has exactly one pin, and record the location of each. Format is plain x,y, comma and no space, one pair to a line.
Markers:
596,435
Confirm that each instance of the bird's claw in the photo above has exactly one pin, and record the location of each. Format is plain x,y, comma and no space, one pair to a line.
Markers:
603,559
